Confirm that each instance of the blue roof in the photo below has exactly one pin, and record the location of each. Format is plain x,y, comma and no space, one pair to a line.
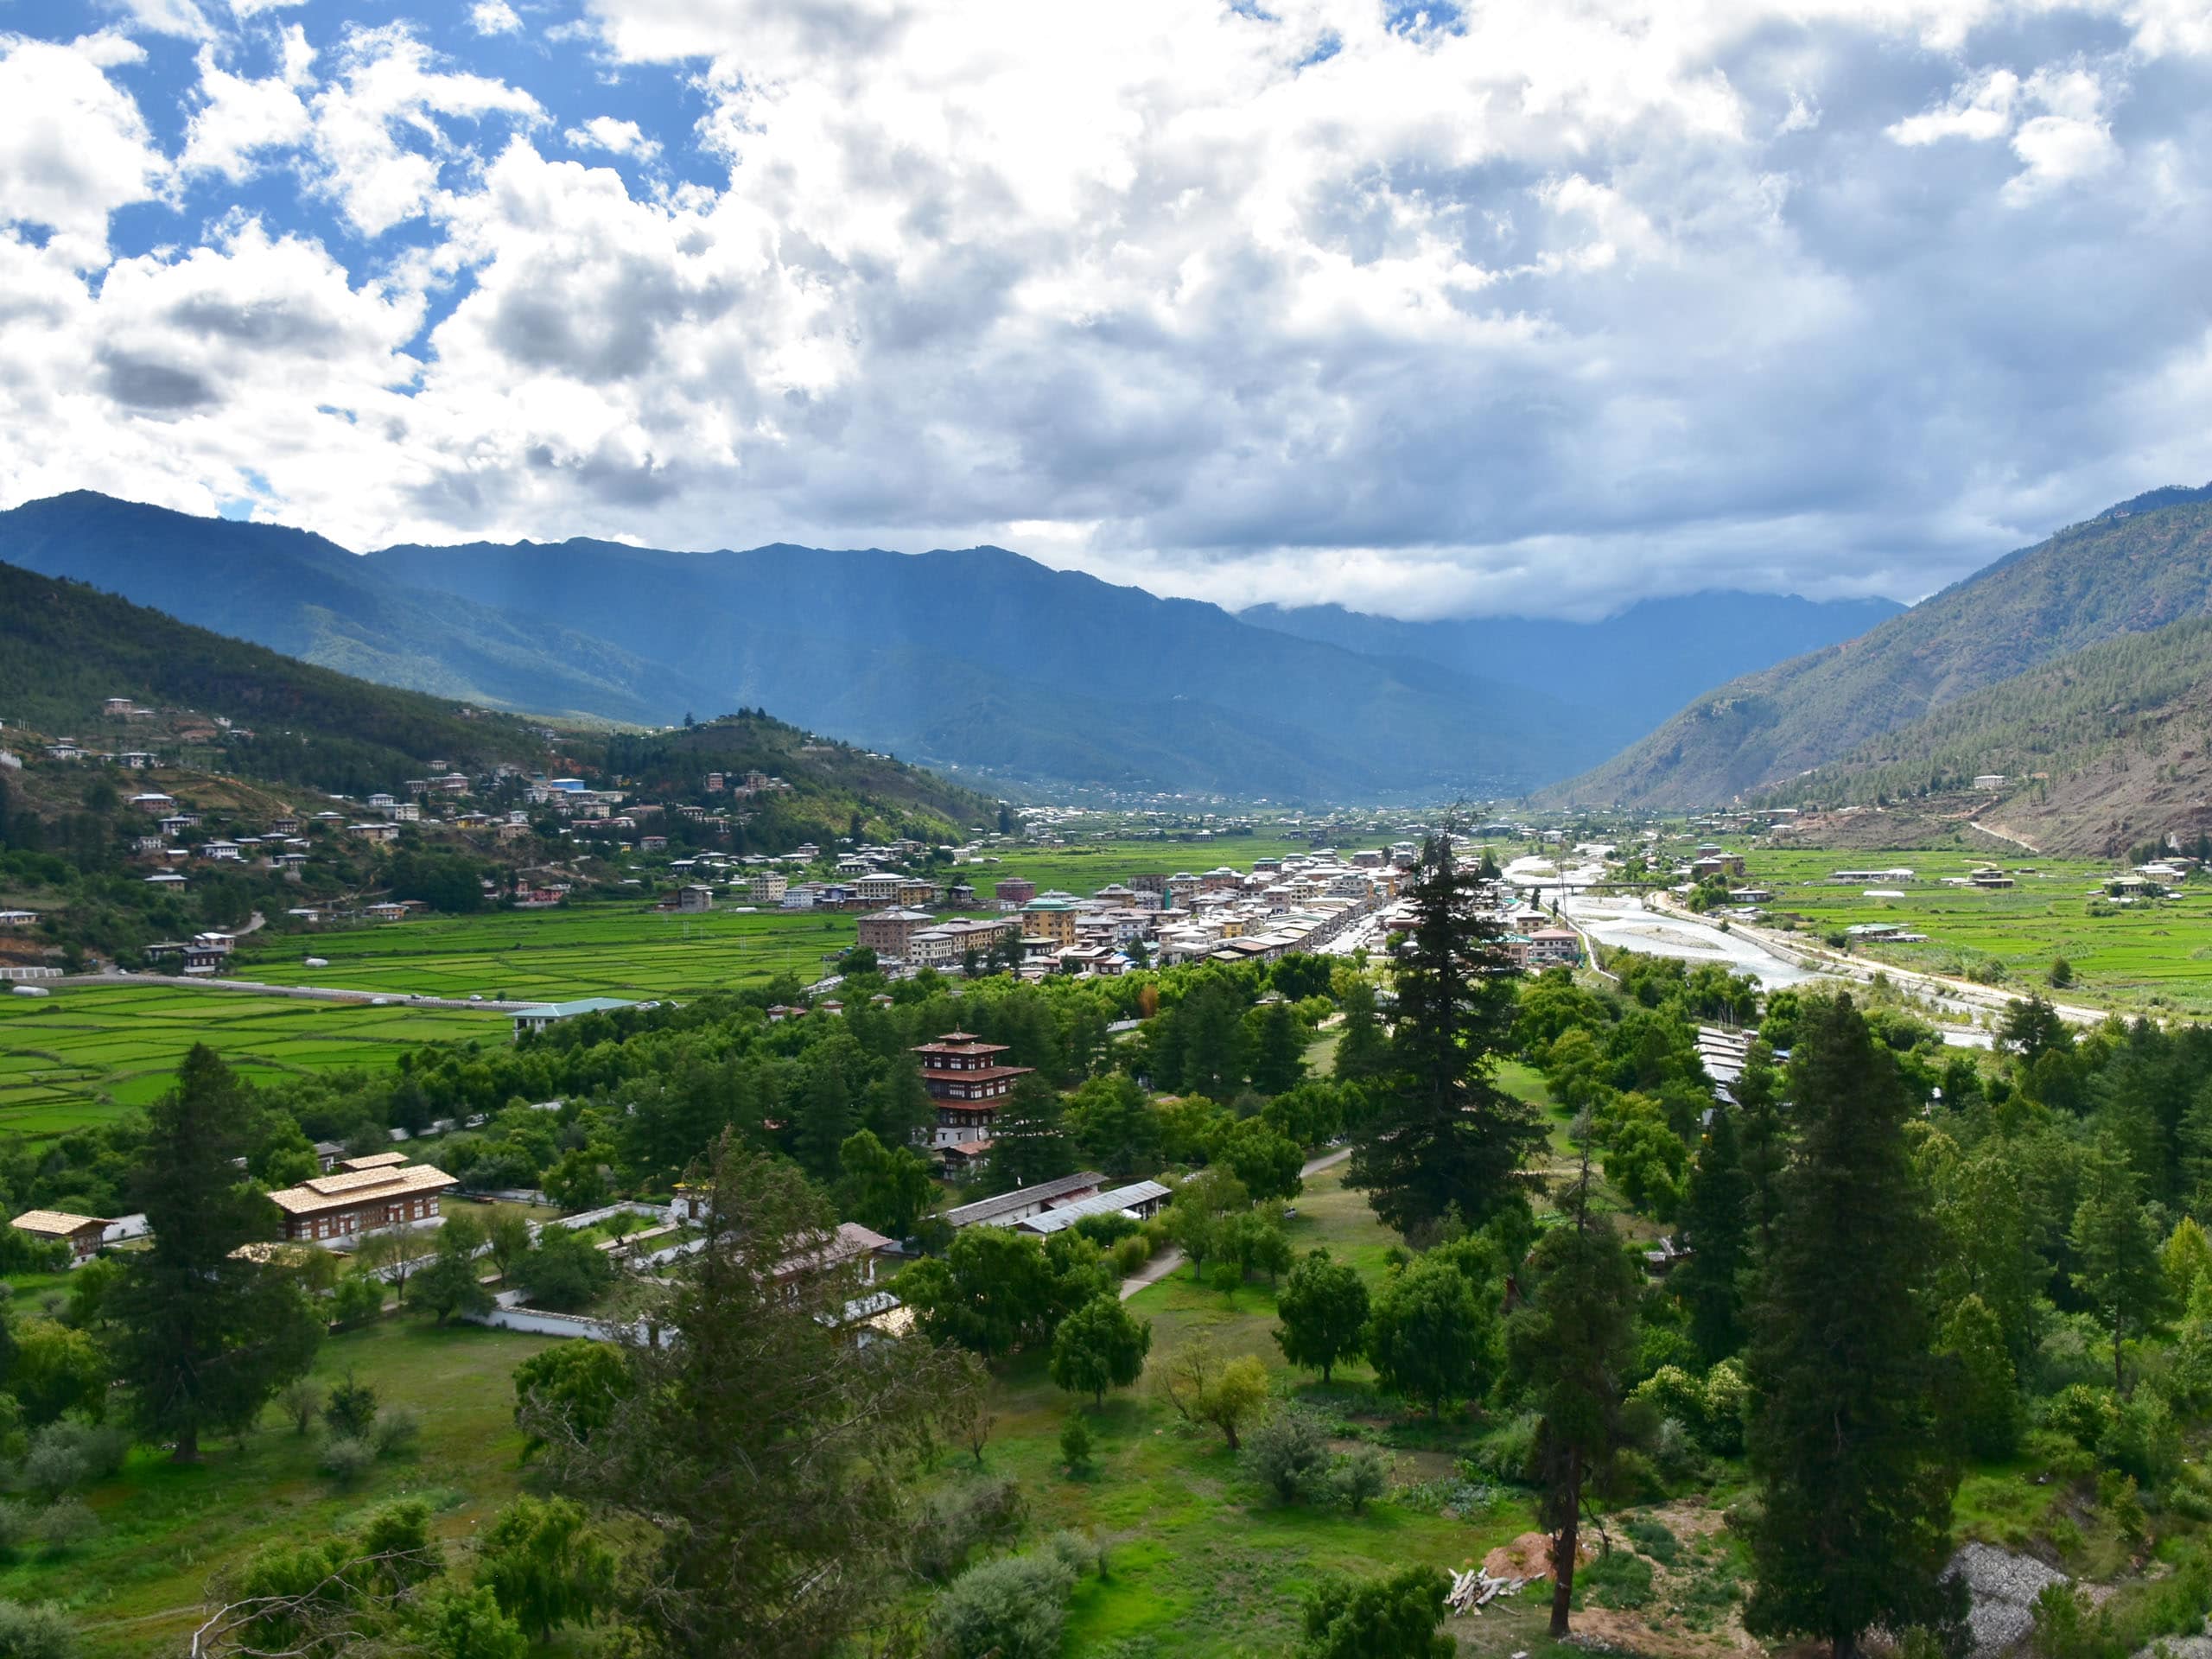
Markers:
570,1010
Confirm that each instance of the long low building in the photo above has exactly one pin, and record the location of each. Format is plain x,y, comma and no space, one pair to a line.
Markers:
1008,1207
353,1202
1141,1198
83,1234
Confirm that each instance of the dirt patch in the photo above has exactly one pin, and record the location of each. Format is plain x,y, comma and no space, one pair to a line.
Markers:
1694,1609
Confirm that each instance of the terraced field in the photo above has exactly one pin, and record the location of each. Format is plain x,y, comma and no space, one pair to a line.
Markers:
609,949
78,1058
2153,956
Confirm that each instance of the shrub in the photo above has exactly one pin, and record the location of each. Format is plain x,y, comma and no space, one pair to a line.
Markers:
2142,1442
1652,1538
399,1427
37,1630
66,1524
351,1410
1508,1452
302,1401
52,1467
1131,1253
1360,1475
17,1523
1289,1453
357,1299
1075,1446
2082,1413
1013,1608
1618,1578
954,1522
101,1448
346,1459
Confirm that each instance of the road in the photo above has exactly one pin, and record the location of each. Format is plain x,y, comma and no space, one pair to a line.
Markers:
1665,929
304,993
1168,1260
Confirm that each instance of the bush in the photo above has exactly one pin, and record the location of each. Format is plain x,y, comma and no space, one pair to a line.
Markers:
2082,1413
346,1459
1652,1538
1013,1608
37,1630
351,1410
1289,1451
302,1401
1131,1254
1360,1475
2142,1442
1508,1452
954,1522
1075,1446
357,1299
52,1467
398,1430
66,1524
1618,1578
100,1447
17,1523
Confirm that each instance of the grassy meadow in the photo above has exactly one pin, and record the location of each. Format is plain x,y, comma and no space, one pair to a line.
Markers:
81,1056
2150,957
136,1584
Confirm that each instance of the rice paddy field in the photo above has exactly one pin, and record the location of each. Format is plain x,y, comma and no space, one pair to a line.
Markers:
2150,956
624,949
81,1057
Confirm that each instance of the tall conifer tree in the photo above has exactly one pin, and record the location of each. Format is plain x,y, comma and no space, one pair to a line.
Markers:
1855,1525
1441,1134
204,1339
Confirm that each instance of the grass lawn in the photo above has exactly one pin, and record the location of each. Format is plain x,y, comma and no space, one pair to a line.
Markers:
165,1530
1200,1559
2141,956
81,1057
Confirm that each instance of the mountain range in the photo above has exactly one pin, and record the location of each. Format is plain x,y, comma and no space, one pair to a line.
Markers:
66,648
2135,567
976,661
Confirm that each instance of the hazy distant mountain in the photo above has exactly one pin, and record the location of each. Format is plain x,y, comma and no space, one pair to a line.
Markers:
979,660
982,659
309,598
2136,567
1626,669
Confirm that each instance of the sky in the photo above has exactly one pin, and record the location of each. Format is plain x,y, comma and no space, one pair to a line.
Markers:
1532,307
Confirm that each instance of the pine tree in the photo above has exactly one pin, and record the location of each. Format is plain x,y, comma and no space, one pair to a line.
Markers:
1442,1134
1028,1144
1278,1049
2116,1245
1716,1224
1570,1345
1362,1050
204,1339
1855,1524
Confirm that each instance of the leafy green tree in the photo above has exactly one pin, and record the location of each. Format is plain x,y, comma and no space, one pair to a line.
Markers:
1570,1345
55,1370
204,1338
1430,1339
1986,1394
450,1284
994,1288
546,1566
1993,1222
1101,1345
457,1624
564,1270
1323,1308
1396,1615
1114,1127
1264,1161
1202,1206
572,1388
2115,1244
888,1188
506,1238
1716,1224
763,1472
1854,1530
1442,1135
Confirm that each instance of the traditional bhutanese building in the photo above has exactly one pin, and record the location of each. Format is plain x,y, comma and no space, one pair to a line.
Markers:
345,1205
964,1076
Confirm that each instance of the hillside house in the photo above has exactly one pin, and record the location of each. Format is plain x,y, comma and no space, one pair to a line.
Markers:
82,1233
376,833
342,1206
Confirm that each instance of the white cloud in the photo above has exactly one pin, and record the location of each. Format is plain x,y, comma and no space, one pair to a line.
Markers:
180,17
378,133
73,146
617,137
1549,308
493,17
237,119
